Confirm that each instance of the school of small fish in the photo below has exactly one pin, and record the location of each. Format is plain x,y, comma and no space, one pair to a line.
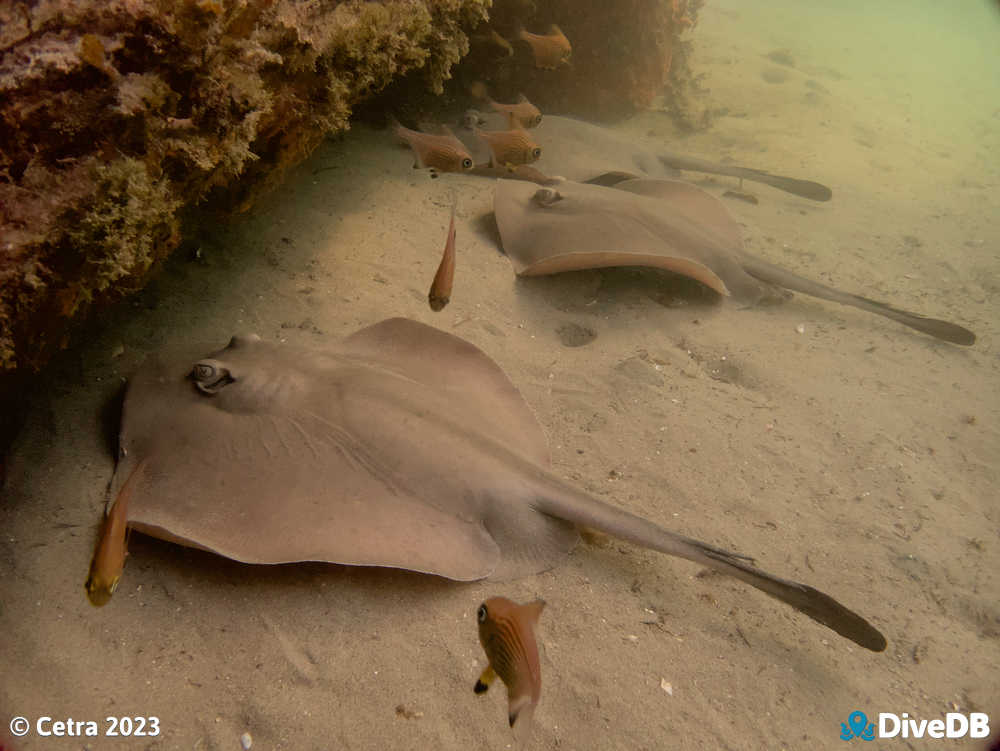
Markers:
511,148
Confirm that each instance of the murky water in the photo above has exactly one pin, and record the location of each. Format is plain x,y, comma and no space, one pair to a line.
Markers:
836,447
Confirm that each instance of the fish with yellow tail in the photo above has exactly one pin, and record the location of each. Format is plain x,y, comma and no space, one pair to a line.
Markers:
439,152
440,291
509,147
507,633
522,114
112,546
550,50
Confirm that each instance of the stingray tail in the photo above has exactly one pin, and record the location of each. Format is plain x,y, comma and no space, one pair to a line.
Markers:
949,332
803,188
583,510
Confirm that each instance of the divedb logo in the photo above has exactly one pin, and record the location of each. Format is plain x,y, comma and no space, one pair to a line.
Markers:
954,725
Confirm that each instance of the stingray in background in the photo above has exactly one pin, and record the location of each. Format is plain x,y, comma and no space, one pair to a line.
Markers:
399,446
666,224
579,151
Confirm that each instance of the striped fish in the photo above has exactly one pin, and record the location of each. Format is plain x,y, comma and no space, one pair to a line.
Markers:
112,546
513,146
550,50
440,291
507,633
438,152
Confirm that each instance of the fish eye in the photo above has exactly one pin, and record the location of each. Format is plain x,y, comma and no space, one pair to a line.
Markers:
482,613
466,163
536,152
537,120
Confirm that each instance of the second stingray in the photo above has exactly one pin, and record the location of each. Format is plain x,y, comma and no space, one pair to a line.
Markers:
666,224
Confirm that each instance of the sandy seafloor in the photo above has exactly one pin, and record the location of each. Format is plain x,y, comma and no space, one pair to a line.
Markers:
858,456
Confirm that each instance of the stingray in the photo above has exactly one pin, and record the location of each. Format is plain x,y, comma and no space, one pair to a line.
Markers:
400,446
666,224
580,151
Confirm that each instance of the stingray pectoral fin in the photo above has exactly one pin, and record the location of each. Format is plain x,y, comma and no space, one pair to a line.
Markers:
453,366
285,482
241,520
576,261
691,202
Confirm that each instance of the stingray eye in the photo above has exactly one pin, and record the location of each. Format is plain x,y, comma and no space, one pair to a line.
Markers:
466,163
210,376
482,613
204,371
536,152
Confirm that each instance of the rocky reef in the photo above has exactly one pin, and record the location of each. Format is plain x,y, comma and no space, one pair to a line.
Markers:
118,116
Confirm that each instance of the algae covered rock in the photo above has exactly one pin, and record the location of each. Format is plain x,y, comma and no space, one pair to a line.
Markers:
116,115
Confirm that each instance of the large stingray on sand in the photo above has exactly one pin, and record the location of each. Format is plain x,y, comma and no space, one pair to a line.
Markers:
399,446
580,151
666,224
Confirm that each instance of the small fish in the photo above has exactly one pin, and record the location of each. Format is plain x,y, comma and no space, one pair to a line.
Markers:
550,50
510,146
438,152
507,633
522,114
440,292
112,547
